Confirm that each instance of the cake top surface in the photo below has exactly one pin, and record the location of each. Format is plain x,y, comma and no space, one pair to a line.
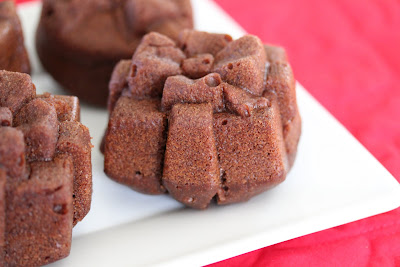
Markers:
29,123
84,24
200,68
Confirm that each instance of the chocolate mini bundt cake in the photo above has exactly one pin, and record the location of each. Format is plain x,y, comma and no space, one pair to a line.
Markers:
79,42
206,118
45,172
13,55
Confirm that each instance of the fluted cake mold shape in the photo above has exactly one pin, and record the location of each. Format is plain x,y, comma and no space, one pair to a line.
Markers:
45,172
206,118
79,42
13,55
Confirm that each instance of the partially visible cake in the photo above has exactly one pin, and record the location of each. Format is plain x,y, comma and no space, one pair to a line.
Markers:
45,172
205,118
79,42
13,55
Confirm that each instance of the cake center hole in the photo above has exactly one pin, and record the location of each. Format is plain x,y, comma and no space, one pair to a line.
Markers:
60,209
212,81
206,61
228,38
133,71
5,123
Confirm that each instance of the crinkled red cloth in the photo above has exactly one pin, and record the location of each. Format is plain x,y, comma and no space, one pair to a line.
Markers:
346,53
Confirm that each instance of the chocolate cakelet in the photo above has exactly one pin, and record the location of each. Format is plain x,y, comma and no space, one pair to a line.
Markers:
45,172
204,118
13,55
79,42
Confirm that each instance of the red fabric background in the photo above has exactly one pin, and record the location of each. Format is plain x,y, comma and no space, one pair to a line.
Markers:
346,53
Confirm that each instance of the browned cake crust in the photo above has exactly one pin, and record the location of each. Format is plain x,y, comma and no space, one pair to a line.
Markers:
79,42
45,172
13,55
3,177
206,118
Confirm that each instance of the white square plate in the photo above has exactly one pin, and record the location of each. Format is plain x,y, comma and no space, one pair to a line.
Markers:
334,181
